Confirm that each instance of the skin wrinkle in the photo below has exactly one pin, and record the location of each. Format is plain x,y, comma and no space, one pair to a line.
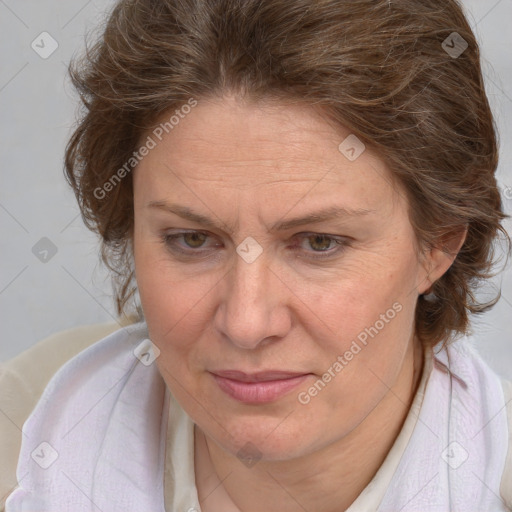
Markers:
180,53
428,169
281,311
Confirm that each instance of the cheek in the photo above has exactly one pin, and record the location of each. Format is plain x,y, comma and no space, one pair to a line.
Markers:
371,325
174,312
169,304
365,298
176,305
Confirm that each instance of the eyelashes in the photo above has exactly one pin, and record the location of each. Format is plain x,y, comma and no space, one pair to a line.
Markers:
194,244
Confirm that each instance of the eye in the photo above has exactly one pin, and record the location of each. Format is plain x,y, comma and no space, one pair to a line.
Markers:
320,242
194,242
320,245
198,243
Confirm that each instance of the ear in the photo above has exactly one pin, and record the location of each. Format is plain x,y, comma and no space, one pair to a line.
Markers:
438,257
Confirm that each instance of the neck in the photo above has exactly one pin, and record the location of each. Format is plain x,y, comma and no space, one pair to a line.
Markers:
327,480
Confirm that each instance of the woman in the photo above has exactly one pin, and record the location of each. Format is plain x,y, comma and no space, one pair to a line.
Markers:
302,194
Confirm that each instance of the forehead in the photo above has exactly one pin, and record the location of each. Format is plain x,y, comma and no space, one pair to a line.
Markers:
263,150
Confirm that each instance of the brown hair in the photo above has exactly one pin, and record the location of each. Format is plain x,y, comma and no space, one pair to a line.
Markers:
386,69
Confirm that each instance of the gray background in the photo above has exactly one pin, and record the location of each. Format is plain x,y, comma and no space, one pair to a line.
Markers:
37,111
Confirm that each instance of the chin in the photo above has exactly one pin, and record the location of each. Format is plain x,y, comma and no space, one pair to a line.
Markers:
262,438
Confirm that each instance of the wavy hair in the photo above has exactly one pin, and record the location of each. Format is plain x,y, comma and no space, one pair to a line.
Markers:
397,73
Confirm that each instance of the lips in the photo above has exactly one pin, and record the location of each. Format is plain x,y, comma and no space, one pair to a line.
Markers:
256,377
257,388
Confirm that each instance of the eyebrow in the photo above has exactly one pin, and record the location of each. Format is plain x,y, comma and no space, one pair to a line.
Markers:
326,214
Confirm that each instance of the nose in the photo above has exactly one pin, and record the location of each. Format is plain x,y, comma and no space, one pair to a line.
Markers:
252,308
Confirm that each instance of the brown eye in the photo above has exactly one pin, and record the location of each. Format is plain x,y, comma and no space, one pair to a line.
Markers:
194,240
189,243
320,246
320,242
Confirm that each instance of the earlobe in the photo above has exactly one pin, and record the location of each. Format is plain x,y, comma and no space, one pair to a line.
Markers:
440,256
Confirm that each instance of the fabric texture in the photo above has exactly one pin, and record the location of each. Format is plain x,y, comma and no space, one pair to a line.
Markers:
456,455
22,381
96,437
111,435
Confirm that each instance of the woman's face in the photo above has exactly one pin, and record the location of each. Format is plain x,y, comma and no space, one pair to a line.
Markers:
261,246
